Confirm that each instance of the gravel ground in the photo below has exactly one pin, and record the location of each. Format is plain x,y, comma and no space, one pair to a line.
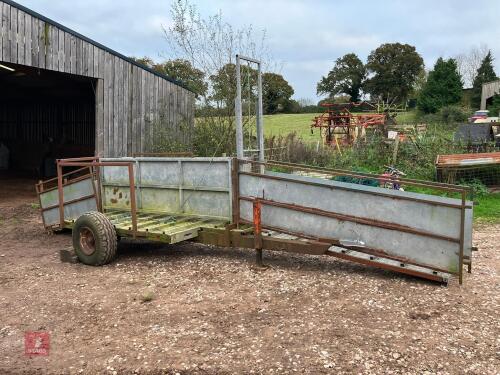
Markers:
195,309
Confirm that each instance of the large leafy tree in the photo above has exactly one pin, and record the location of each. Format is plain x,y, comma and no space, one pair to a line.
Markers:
346,77
146,61
223,85
443,87
276,93
182,70
393,69
485,74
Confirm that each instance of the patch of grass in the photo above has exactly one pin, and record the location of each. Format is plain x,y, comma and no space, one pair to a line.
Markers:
35,206
300,123
409,117
147,296
284,124
487,209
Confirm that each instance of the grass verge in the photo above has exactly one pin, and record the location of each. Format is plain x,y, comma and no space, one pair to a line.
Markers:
487,209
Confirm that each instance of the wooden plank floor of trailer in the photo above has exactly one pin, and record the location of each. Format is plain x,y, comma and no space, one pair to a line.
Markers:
168,228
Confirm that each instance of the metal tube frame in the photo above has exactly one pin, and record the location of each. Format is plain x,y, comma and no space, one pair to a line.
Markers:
240,154
94,163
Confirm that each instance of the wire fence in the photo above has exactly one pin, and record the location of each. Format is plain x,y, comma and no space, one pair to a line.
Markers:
488,175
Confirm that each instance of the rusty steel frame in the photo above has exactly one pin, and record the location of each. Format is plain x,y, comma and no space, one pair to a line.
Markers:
41,188
242,239
94,163
342,172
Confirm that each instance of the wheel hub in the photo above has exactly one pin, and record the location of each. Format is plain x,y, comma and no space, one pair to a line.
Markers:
87,241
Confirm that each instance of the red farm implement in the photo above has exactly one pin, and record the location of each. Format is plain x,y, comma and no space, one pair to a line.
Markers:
340,126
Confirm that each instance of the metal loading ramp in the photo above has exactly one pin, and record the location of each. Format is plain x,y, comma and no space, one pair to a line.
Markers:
371,259
269,206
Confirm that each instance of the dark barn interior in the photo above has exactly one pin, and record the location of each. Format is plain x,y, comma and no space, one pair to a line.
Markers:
44,115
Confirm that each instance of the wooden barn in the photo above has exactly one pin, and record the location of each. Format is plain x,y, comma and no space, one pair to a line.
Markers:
64,95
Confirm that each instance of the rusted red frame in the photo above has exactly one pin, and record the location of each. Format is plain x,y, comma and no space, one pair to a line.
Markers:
342,172
257,230
93,162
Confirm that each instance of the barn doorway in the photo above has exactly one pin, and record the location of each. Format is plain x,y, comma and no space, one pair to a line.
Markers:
44,116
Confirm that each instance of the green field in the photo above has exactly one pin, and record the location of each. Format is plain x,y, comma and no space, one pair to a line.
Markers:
300,123
284,124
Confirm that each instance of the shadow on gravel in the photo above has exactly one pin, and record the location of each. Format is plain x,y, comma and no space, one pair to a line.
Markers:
144,251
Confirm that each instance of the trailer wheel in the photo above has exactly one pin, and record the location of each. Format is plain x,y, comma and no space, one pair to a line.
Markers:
94,239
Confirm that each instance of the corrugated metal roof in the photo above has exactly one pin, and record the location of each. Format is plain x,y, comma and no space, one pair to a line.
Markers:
468,159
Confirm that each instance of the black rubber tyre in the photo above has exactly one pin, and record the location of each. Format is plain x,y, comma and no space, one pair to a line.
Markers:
94,239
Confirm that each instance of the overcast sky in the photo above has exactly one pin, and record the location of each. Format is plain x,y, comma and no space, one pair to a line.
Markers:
306,36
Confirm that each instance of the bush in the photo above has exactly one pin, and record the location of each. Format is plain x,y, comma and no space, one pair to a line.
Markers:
453,114
416,157
293,149
478,188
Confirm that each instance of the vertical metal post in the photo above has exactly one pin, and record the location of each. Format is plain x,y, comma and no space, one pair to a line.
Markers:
133,207
60,194
462,240
235,167
260,118
238,112
257,230
99,188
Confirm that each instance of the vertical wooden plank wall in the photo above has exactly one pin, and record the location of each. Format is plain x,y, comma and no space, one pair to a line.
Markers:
129,99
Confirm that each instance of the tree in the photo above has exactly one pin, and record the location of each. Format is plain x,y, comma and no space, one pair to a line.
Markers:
485,74
211,43
224,87
393,69
346,77
469,62
443,87
146,61
182,70
276,93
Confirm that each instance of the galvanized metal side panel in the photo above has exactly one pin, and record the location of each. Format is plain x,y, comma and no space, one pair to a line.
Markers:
74,191
192,186
358,200
72,211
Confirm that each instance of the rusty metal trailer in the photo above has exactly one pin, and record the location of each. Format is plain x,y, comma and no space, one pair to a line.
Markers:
259,205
